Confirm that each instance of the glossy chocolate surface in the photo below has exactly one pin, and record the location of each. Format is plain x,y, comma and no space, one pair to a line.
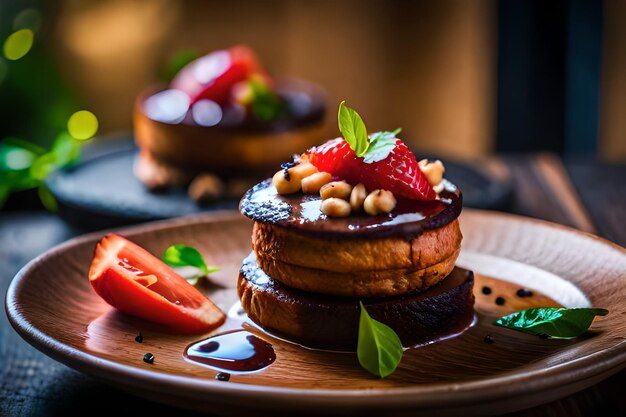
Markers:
302,212
237,350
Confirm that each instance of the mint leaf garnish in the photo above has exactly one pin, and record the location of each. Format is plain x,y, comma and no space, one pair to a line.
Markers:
183,255
379,348
353,129
558,323
381,145
374,148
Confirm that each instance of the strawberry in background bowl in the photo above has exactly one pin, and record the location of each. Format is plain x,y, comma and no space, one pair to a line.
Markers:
222,123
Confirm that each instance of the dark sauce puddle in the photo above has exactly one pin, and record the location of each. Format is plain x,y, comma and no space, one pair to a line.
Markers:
238,351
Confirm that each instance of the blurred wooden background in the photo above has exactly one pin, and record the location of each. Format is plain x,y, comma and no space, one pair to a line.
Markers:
428,67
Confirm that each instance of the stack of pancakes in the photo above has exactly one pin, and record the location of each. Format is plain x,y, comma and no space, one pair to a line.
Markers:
307,272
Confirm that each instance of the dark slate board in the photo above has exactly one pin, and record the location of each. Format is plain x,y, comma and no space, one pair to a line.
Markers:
103,192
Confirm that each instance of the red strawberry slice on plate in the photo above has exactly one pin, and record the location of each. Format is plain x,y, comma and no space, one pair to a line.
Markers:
399,172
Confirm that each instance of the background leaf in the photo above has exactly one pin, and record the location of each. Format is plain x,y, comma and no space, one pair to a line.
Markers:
379,348
47,199
65,150
177,62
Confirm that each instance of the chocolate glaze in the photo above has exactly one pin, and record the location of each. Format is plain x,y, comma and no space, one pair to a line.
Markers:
331,322
305,105
301,212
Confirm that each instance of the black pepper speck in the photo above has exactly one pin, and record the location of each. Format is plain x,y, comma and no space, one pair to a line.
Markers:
223,376
486,290
148,358
489,340
500,301
285,166
523,293
139,338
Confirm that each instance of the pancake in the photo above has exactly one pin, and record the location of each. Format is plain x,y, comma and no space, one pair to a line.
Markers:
409,249
331,322
369,283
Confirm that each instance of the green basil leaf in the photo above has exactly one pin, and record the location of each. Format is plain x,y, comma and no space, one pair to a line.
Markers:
559,323
379,348
183,255
353,129
381,145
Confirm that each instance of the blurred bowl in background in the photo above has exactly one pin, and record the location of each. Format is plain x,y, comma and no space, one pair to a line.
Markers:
202,138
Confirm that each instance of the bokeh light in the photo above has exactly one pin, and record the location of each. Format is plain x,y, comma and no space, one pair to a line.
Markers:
18,44
206,113
27,19
82,125
168,106
18,159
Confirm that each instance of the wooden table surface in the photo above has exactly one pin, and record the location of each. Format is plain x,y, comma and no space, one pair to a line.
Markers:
580,193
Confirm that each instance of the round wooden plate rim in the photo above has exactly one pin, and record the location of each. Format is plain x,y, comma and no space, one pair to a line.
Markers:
606,361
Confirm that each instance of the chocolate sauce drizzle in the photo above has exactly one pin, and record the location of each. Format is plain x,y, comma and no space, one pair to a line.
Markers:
301,212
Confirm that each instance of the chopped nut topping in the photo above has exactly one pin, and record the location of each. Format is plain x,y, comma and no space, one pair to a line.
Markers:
433,172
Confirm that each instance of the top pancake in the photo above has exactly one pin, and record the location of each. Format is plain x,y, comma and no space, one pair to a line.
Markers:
301,212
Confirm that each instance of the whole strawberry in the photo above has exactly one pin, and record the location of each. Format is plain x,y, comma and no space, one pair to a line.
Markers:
380,161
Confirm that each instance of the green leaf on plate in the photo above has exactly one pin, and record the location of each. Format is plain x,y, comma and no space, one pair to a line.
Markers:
183,255
558,323
353,129
379,348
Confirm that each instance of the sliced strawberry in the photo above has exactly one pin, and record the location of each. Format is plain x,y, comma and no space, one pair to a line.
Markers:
212,76
399,172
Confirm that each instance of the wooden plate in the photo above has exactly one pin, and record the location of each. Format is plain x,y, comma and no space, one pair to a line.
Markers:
51,304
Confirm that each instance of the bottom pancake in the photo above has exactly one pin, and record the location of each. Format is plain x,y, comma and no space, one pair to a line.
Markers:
330,322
